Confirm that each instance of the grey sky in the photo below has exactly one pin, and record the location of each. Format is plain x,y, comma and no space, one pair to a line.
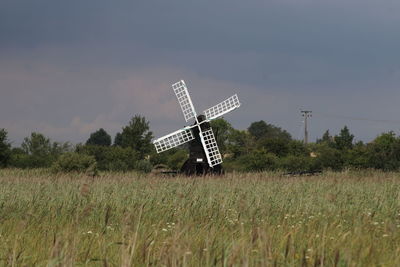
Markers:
68,68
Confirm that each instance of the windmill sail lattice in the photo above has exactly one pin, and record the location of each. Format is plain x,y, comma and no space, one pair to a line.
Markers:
184,100
206,135
222,108
174,139
211,148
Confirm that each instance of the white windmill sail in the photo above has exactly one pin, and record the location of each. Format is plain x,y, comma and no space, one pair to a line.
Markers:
222,108
210,147
173,140
184,100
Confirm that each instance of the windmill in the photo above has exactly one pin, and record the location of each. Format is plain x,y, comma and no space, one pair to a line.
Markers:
205,156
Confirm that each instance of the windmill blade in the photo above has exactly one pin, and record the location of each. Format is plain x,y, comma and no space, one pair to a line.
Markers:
173,140
210,147
184,100
222,108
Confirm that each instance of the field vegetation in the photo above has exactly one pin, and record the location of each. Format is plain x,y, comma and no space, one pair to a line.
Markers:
242,219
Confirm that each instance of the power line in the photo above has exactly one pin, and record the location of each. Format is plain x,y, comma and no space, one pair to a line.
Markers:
356,118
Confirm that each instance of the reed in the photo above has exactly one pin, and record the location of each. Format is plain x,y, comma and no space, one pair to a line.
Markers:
128,219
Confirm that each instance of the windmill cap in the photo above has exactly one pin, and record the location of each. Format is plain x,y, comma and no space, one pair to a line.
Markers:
201,118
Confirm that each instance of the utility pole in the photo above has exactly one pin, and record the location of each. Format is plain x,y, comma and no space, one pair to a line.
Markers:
306,114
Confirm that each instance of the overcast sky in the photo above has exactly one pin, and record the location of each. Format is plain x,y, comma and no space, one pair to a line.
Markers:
68,68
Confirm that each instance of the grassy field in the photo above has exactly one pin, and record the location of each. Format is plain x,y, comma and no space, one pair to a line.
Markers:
336,219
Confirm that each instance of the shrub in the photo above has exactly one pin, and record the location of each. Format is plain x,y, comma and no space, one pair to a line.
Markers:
116,165
19,159
298,148
144,166
296,163
5,148
384,152
74,162
357,158
173,158
176,160
37,151
275,146
328,157
259,160
111,158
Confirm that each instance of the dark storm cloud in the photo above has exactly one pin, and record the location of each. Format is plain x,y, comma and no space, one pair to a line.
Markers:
69,67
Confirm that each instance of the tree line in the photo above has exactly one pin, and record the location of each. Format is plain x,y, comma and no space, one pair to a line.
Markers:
260,147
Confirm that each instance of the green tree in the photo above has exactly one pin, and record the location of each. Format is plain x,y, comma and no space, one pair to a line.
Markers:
36,144
298,148
326,138
137,135
113,158
222,129
260,129
118,139
19,159
384,152
239,143
144,165
328,157
344,140
259,160
74,162
5,148
293,163
177,159
37,151
277,146
357,157
171,158
58,148
99,138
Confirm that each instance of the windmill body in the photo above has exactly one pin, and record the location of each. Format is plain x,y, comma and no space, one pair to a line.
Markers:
205,156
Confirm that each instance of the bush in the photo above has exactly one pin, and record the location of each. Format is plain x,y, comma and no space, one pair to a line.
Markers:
22,160
357,158
116,165
384,152
276,146
5,148
259,160
144,166
296,163
37,151
111,158
19,159
298,148
173,158
176,160
74,162
328,157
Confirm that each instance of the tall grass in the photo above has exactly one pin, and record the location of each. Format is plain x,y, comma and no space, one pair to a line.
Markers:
336,219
